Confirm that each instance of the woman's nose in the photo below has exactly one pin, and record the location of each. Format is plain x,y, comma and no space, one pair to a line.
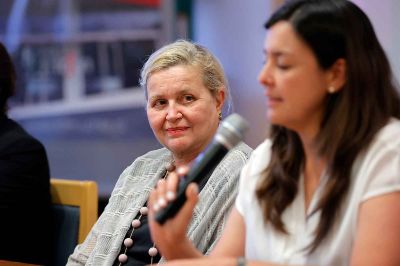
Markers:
173,113
265,77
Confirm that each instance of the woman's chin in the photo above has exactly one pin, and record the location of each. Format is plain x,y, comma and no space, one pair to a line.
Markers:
178,147
273,118
276,121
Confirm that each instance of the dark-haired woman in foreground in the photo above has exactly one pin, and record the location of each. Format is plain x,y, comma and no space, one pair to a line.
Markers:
324,188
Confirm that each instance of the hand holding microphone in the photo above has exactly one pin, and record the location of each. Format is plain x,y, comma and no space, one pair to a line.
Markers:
229,134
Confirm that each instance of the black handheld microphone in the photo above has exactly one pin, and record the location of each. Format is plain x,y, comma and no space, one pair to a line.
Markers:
229,134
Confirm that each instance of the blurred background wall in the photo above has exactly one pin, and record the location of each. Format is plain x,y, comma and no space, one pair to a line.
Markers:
385,18
78,64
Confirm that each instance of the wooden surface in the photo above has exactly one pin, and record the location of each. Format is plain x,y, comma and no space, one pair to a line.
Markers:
14,263
82,194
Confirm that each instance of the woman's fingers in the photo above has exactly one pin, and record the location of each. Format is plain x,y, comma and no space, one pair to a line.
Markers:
175,228
166,191
172,182
161,199
183,170
172,185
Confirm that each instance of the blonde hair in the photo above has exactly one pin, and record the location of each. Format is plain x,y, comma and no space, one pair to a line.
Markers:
182,52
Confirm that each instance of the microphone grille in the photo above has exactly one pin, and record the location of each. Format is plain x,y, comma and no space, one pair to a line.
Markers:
232,129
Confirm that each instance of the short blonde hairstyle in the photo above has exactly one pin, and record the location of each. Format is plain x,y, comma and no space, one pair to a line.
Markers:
182,52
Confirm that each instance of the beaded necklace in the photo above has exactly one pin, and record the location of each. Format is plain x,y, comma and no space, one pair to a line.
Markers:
136,223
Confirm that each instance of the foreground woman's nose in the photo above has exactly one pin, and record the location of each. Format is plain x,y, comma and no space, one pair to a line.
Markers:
264,77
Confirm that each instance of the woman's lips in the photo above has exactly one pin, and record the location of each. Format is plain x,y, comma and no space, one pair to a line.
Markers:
273,101
176,131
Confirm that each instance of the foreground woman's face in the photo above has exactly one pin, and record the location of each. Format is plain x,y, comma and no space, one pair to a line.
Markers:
295,85
182,112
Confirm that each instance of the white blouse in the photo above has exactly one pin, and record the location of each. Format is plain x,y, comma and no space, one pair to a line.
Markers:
375,172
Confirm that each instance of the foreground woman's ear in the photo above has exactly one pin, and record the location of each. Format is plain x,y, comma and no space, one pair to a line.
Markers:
337,75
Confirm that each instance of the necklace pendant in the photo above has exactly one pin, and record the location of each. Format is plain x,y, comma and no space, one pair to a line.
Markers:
123,258
153,252
136,223
144,211
128,242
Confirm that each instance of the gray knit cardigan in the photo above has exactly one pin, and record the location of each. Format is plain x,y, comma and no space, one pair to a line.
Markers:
131,191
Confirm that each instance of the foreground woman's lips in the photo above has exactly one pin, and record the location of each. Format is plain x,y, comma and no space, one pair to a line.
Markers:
272,100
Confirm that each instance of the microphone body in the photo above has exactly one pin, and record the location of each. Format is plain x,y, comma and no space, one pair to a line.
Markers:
229,134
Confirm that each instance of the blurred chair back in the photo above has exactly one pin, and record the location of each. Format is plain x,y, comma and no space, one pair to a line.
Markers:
75,212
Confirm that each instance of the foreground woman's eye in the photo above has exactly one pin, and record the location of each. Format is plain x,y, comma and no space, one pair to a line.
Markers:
283,67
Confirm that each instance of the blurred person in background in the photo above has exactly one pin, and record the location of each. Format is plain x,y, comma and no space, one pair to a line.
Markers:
186,89
25,202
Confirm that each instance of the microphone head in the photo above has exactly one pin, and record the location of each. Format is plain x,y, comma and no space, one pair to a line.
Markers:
231,131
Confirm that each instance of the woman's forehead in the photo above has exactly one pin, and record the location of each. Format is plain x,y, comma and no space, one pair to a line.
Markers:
283,40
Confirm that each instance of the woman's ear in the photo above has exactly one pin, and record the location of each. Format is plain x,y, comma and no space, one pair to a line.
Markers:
337,75
220,99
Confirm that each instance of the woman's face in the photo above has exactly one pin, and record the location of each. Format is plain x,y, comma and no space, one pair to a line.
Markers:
182,112
295,85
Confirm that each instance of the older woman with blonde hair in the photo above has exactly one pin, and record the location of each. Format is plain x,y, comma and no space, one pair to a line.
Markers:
186,90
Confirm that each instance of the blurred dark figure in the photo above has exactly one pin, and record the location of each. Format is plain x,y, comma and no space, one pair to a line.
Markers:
25,217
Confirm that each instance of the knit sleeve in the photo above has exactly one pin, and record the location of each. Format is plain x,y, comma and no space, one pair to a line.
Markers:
216,200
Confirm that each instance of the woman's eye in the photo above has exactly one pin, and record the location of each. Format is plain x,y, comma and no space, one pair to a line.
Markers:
283,67
188,98
159,103
282,64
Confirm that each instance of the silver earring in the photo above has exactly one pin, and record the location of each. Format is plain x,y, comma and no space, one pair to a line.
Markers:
331,89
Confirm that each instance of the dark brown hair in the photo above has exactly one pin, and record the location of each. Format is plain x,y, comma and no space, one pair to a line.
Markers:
333,29
7,78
